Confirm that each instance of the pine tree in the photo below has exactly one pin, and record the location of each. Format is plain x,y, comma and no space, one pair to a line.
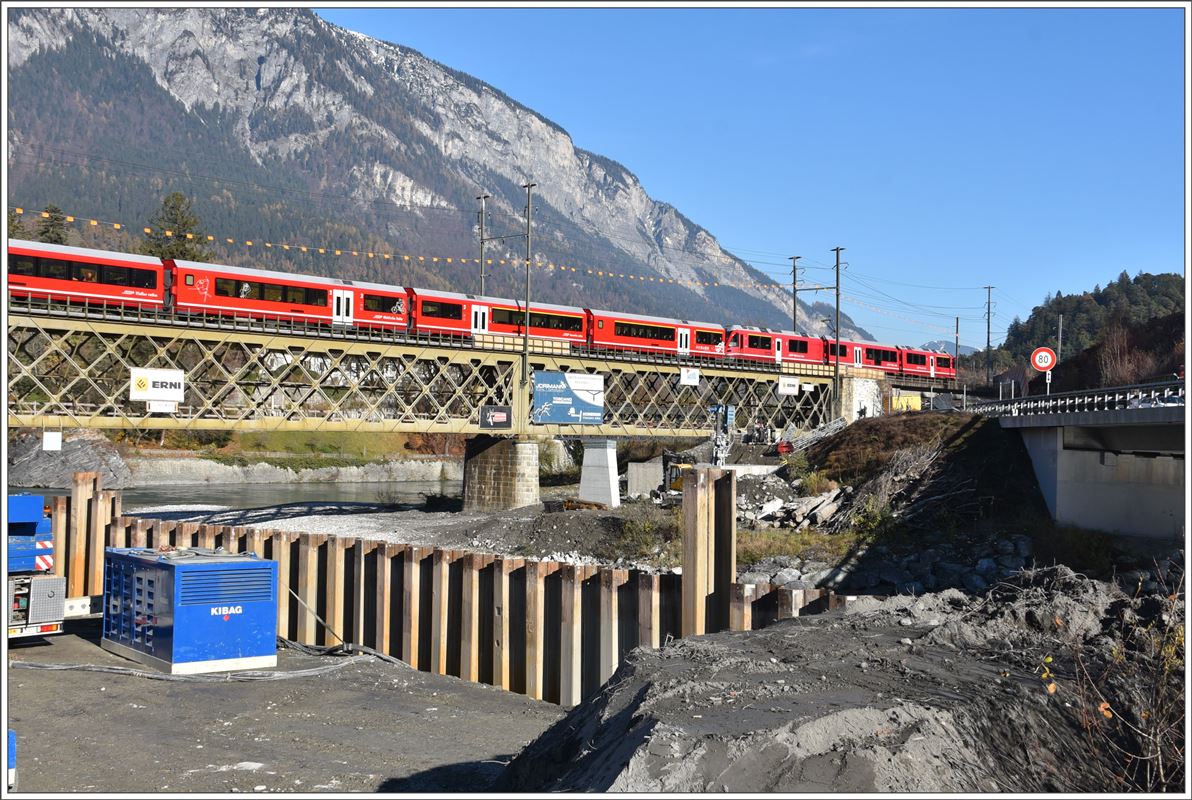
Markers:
51,227
15,229
170,226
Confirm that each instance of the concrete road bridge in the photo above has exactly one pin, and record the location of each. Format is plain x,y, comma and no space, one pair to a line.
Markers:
69,367
1107,459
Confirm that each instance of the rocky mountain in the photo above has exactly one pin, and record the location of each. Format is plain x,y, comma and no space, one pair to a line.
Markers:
285,128
947,345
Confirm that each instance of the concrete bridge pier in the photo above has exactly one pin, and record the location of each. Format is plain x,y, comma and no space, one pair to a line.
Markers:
598,478
500,473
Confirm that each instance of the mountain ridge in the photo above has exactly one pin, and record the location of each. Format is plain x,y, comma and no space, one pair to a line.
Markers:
270,118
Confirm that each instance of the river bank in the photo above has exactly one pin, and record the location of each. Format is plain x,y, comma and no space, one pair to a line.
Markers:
29,466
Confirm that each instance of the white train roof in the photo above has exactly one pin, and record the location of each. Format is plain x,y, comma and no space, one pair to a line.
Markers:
66,250
668,320
504,301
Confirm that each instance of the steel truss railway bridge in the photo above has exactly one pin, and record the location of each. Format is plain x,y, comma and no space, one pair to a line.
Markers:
69,367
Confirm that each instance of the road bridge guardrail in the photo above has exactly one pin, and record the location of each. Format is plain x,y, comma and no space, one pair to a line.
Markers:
1115,398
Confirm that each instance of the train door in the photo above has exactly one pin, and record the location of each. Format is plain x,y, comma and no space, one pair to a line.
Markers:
931,362
684,340
479,318
857,356
341,306
778,349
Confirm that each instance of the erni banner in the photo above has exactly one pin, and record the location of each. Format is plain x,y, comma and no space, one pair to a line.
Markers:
156,385
689,376
788,384
565,398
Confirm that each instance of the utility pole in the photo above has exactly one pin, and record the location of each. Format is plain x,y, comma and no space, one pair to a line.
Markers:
988,338
1059,350
795,293
529,187
956,349
836,371
482,198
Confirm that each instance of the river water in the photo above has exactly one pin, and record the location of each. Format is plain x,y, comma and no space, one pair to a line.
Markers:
257,495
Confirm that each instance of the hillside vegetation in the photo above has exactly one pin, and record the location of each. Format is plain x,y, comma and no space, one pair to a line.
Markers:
1089,319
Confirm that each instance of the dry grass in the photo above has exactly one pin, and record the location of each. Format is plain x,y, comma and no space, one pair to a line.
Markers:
755,545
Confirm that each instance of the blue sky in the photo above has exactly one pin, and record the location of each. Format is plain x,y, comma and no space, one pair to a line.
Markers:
1035,150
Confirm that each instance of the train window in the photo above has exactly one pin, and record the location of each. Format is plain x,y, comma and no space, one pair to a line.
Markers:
433,308
116,276
916,359
796,346
635,330
249,290
272,292
225,287
55,269
843,349
384,305
709,337
735,340
316,297
506,316
872,355
84,272
295,295
759,342
943,361
190,279
20,265
600,324
556,322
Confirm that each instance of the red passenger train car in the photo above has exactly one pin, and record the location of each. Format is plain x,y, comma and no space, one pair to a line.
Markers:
464,315
614,330
58,272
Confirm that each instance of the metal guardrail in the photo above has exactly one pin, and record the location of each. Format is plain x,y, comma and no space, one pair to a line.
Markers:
1115,398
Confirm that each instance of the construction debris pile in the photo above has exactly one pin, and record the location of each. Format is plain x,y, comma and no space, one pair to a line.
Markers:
1053,682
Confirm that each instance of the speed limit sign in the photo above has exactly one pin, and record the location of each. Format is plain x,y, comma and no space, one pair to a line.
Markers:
1043,359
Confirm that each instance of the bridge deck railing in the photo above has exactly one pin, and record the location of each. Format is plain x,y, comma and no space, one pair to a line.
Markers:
1115,398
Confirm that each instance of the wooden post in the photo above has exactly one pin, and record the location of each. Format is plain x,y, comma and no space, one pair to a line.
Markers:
440,575
570,656
207,536
383,598
610,581
742,597
469,644
411,602
786,603
535,624
58,520
649,610
723,570
798,600
97,508
502,567
308,586
281,554
696,540
256,542
334,587
358,590
140,533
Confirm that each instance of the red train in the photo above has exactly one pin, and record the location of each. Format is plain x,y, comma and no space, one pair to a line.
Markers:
75,274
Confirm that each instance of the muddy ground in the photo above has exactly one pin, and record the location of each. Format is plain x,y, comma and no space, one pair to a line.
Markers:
367,726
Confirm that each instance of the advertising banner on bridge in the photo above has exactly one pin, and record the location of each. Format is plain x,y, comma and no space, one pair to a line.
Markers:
788,384
156,384
564,398
496,418
689,376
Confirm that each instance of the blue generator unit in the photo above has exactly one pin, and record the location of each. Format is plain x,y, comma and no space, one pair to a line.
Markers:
190,610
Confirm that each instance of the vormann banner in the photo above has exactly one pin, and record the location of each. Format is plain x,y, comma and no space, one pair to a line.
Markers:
565,398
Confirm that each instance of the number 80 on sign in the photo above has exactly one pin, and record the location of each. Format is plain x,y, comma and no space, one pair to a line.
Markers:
1043,359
